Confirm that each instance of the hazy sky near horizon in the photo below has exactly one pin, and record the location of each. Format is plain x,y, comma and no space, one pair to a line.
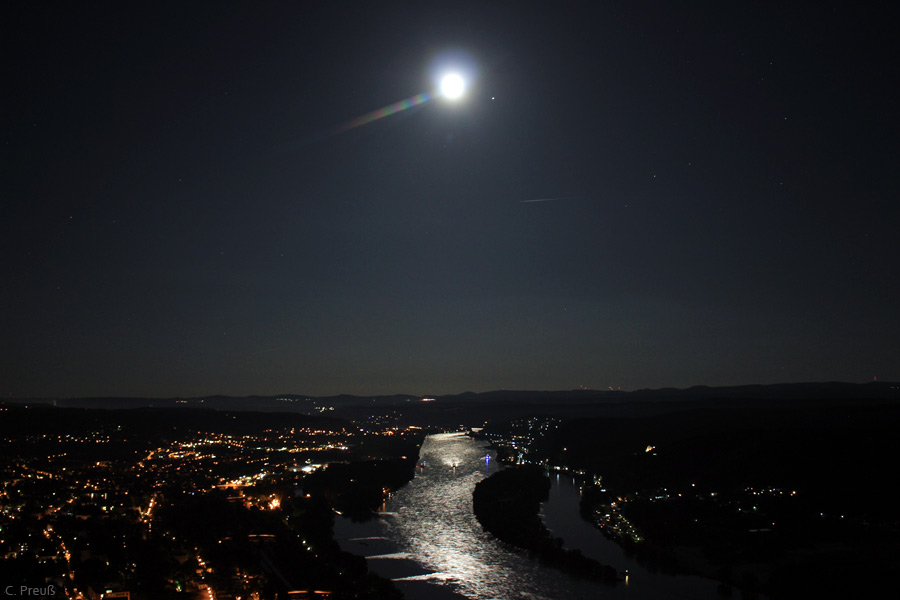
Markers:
629,194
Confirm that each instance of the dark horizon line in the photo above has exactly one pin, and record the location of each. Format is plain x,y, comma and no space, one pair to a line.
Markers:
666,389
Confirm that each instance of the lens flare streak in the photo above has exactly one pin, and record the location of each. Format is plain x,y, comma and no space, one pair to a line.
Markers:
386,111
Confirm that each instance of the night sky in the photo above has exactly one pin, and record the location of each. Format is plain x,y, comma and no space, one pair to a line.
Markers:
629,194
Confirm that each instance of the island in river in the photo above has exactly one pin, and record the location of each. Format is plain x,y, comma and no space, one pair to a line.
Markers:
508,504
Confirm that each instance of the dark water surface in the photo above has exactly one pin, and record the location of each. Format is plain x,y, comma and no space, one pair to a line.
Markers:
428,541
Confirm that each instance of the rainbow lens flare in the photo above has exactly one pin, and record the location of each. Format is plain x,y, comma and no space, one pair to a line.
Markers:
386,111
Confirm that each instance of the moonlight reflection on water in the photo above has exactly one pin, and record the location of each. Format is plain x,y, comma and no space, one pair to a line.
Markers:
431,544
433,522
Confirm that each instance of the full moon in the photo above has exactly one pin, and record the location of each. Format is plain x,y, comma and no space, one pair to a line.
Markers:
452,86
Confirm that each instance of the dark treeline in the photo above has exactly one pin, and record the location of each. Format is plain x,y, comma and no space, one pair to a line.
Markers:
507,505
358,488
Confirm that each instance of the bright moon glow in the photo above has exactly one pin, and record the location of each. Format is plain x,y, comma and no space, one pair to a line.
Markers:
452,86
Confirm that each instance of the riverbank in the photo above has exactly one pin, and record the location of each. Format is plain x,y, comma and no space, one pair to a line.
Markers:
507,504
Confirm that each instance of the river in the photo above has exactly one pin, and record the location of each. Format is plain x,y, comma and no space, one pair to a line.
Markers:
428,541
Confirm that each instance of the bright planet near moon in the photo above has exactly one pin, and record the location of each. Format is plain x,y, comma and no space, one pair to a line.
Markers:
452,86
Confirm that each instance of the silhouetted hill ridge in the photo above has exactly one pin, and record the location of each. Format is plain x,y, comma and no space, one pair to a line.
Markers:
747,394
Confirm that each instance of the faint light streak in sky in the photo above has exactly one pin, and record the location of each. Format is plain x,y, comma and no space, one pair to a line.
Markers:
385,111
546,199
369,117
